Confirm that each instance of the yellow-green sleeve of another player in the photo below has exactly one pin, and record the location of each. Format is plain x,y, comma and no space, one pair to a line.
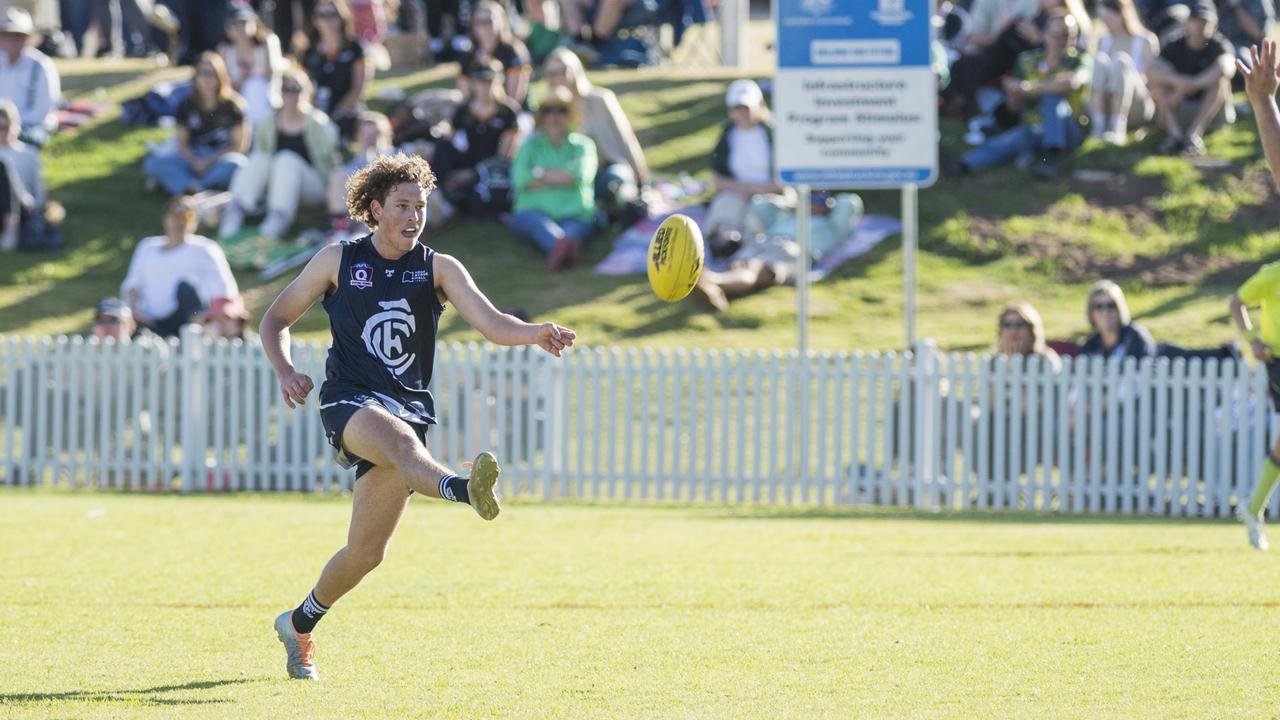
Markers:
1263,285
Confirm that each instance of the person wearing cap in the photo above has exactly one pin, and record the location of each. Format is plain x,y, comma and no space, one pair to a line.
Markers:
1191,82
741,165
294,150
112,319
227,318
28,77
173,277
1246,22
254,62
484,130
554,176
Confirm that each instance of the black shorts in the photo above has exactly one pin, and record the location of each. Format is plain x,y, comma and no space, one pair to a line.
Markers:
1273,382
338,402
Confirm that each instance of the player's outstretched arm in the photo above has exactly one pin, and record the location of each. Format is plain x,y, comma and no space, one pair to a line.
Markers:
456,286
315,280
1261,78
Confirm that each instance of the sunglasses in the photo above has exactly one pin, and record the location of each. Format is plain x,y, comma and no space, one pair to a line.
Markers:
107,320
482,20
291,88
1013,325
329,13
555,110
206,72
1103,306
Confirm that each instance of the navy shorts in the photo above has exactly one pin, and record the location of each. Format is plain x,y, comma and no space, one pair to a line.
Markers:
338,402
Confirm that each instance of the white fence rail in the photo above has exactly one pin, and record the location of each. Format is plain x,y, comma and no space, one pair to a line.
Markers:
934,431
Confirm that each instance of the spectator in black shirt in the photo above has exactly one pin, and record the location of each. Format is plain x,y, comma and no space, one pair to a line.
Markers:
210,138
337,65
491,39
1191,82
1115,335
484,129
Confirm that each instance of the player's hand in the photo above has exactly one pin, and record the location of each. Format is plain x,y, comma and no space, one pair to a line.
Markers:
1261,77
295,387
553,338
1261,350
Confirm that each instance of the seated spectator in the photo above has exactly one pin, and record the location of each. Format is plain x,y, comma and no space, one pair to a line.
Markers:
112,320
226,318
491,40
769,254
1022,333
28,77
741,165
1018,29
1115,335
1246,22
1047,94
1191,82
622,165
484,129
253,60
210,135
26,222
1120,98
294,150
373,139
601,29
552,176
173,277
336,63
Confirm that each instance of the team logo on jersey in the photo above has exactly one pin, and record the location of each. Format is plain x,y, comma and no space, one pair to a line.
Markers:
413,276
362,275
387,333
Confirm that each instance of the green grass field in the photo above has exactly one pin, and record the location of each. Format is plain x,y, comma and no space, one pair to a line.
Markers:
116,606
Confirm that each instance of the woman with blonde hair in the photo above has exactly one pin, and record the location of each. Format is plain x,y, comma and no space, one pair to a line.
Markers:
210,137
294,150
1021,332
622,165
552,175
1115,335
1120,98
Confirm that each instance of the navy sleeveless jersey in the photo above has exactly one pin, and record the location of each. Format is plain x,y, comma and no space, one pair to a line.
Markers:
384,317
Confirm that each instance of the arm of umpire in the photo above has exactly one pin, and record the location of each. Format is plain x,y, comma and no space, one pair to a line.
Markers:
317,278
454,284
1260,83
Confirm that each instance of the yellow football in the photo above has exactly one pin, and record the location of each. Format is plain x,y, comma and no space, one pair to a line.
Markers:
675,258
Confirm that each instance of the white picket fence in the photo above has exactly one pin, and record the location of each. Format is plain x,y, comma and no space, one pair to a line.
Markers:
928,430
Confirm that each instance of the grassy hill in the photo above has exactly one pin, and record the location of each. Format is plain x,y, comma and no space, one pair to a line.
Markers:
1178,235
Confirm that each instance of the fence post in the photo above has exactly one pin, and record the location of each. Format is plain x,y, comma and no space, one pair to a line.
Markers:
925,382
191,414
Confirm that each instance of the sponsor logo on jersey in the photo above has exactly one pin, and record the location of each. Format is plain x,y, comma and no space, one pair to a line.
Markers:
388,333
361,275
390,273
414,276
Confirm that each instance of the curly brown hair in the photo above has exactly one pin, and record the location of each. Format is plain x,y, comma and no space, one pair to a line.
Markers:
377,180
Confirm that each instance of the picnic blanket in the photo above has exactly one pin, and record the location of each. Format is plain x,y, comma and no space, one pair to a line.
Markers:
630,250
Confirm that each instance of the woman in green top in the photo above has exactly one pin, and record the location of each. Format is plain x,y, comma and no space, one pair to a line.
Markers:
553,176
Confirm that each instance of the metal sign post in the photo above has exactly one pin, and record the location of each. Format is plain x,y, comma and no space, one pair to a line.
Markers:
855,101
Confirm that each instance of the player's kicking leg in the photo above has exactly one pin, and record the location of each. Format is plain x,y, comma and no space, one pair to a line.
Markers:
1251,514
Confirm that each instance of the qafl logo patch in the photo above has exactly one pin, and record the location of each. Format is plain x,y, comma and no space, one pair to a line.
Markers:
361,275
388,333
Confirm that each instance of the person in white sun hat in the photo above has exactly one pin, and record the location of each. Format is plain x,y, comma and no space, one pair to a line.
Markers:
28,77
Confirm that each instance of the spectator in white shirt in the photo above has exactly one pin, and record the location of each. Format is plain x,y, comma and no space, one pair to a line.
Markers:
28,77
741,164
174,277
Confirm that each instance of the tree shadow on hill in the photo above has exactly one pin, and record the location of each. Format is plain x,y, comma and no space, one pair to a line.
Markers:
160,695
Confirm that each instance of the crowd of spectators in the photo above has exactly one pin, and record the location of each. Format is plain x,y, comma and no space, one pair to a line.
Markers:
1034,78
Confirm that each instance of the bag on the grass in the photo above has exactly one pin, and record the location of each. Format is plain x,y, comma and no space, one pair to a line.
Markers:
36,232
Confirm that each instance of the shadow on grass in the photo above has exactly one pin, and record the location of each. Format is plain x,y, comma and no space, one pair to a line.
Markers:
153,696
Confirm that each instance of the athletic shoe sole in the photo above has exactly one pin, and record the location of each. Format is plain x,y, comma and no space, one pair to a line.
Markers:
480,486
